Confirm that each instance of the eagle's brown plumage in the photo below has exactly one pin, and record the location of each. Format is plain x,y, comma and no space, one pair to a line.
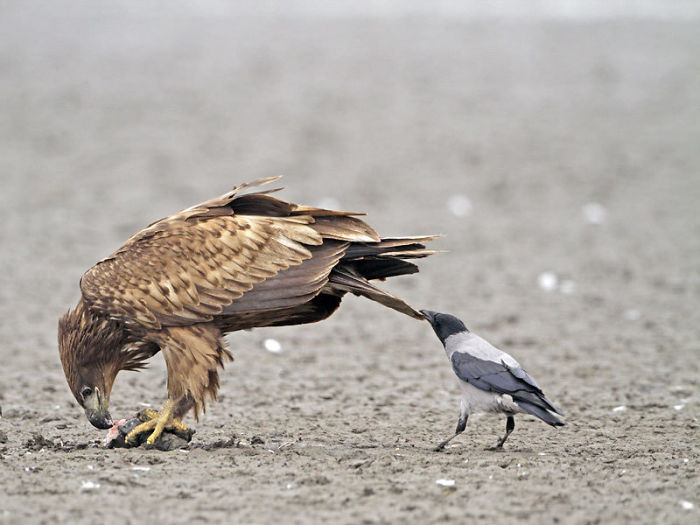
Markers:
238,261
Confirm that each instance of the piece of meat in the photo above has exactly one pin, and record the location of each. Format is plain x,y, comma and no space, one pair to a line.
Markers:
113,433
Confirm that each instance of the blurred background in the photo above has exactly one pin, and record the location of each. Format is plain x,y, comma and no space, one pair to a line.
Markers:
555,143
494,123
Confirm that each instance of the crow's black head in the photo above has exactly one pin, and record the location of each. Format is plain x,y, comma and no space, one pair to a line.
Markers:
444,324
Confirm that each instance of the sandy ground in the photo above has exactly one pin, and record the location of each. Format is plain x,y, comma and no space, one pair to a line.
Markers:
112,120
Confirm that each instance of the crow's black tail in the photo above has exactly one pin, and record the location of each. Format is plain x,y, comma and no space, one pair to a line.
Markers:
541,413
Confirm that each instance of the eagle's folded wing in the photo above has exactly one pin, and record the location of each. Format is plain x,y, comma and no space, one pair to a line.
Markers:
187,272
194,265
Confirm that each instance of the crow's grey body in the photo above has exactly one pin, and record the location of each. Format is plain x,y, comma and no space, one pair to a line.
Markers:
491,380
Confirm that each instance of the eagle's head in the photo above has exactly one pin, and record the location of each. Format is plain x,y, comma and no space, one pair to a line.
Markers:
90,350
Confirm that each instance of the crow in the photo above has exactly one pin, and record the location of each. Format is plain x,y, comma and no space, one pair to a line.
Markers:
491,380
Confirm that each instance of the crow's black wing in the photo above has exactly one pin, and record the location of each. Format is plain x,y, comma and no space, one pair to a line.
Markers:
492,376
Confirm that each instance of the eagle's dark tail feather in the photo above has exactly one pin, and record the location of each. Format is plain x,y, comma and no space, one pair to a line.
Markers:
363,262
386,258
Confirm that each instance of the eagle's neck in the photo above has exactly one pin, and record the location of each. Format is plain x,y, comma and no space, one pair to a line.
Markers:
92,339
118,347
102,338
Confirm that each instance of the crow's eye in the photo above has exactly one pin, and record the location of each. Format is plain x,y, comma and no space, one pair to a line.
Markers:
85,392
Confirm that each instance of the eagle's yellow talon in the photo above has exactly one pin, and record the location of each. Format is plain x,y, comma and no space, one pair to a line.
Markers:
148,413
143,427
157,421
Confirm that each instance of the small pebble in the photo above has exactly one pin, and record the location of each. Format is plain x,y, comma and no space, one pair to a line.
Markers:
594,213
678,407
632,315
547,281
89,485
687,505
446,482
272,345
621,408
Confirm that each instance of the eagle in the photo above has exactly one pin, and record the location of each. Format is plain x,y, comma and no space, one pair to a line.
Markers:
242,260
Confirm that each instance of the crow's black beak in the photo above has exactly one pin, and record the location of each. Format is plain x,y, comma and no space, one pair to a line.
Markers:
430,316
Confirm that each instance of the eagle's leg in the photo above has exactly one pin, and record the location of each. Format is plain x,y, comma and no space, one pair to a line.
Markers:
168,417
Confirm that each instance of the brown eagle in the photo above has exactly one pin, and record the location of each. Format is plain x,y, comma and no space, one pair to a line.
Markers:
242,260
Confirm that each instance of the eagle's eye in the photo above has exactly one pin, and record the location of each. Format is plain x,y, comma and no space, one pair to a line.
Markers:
85,392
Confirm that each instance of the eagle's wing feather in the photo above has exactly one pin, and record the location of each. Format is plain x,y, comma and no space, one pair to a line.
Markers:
190,270
293,286
228,255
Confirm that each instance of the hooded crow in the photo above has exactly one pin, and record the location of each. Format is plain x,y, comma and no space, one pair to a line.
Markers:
492,381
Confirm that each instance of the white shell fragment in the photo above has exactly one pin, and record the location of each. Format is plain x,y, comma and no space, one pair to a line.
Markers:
678,407
687,505
621,408
445,482
272,345
142,469
89,485
547,281
594,213
459,205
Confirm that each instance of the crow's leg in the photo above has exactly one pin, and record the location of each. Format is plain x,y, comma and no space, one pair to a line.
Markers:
510,425
461,425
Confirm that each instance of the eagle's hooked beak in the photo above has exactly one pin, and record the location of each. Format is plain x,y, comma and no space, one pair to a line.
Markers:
96,410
